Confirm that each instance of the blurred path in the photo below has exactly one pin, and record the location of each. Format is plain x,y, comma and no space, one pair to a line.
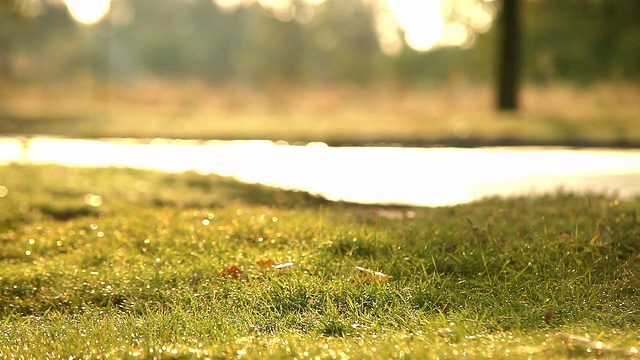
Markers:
408,176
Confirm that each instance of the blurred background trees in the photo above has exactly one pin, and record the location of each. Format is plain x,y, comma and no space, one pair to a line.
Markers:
308,41
320,70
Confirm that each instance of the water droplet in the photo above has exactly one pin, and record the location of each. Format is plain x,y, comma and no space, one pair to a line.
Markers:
28,252
32,241
93,226
206,222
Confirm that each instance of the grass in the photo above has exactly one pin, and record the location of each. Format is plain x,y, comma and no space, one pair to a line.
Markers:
99,263
452,114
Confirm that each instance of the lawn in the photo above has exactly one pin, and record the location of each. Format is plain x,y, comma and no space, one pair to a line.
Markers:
121,263
451,114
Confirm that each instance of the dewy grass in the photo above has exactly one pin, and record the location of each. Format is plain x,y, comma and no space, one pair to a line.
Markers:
118,263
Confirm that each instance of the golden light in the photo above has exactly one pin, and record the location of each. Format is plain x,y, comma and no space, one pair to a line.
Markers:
427,25
228,5
88,12
422,22
365,175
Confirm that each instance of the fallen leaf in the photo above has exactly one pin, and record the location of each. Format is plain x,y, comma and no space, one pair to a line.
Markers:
231,272
267,263
271,263
548,316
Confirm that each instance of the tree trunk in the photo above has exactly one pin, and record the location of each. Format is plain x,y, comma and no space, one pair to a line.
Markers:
509,56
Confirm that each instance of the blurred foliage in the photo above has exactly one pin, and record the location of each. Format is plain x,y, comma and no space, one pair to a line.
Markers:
580,41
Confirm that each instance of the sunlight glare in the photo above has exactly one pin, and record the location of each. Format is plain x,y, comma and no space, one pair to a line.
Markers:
425,24
430,24
229,5
88,12
444,176
422,22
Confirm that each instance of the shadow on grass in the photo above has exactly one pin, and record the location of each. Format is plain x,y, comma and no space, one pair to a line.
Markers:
216,191
11,123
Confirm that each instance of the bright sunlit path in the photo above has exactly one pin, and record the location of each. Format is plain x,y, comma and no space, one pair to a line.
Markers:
88,12
409,176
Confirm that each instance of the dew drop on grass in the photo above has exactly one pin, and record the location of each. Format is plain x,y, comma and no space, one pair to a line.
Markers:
32,241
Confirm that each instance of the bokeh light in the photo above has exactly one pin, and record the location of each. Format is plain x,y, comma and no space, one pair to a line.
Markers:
88,12
422,22
422,25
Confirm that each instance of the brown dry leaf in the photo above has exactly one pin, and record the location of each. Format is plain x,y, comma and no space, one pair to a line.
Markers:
595,238
271,263
267,263
548,316
231,272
